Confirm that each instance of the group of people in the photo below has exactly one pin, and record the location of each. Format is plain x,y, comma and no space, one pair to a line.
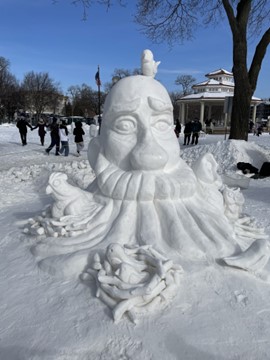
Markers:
60,137
191,131
58,131
259,128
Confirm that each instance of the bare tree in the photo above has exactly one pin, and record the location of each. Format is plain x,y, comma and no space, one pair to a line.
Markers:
186,81
4,64
86,4
73,93
9,88
175,96
176,21
119,74
41,92
84,100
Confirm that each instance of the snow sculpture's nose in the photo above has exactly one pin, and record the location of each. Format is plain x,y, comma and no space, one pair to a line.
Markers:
148,154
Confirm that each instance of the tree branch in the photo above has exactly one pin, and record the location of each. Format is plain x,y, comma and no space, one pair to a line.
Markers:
258,59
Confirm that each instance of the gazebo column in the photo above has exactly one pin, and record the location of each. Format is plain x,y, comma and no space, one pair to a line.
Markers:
186,118
209,112
182,115
254,113
202,112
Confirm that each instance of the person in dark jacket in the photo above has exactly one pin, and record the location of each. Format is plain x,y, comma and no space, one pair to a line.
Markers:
196,128
41,130
177,128
187,133
22,125
78,132
259,130
55,138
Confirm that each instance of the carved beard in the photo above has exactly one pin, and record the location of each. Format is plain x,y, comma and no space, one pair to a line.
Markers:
117,184
167,210
163,209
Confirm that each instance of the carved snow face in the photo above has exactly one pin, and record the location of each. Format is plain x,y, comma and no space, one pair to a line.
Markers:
137,128
137,154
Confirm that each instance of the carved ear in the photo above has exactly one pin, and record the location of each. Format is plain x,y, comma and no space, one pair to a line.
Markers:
93,151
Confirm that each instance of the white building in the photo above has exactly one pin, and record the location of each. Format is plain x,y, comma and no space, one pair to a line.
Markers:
209,98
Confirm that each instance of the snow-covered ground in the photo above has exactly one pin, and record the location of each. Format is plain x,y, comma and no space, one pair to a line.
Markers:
219,313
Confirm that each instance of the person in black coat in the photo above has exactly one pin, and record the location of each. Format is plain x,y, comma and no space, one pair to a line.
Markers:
78,132
177,128
187,133
22,125
196,128
41,130
55,138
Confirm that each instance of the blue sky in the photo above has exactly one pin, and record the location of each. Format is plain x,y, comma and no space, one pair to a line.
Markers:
39,36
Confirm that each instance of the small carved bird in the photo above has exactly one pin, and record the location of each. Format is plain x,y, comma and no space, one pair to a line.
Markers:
149,65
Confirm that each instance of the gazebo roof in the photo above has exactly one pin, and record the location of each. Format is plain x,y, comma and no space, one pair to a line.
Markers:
212,82
219,72
215,96
206,95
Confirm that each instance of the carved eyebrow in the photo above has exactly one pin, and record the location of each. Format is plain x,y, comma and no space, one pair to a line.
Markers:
125,107
159,105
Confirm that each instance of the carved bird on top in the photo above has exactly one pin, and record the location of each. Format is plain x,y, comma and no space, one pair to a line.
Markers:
149,65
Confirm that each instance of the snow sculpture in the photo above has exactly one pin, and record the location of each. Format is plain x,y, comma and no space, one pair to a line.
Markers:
144,197
210,182
135,280
233,202
74,203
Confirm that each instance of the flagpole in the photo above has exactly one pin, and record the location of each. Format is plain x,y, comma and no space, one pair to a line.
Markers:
99,117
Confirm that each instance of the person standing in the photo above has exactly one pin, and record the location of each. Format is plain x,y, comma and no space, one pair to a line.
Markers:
55,139
187,132
41,130
177,128
78,132
22,125
251,125
63,134
259,130
196,128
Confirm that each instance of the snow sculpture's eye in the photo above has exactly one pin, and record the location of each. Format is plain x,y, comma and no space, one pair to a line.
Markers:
56,183
125,126
162,125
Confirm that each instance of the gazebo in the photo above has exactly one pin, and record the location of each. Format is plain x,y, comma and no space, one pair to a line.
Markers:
207,102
